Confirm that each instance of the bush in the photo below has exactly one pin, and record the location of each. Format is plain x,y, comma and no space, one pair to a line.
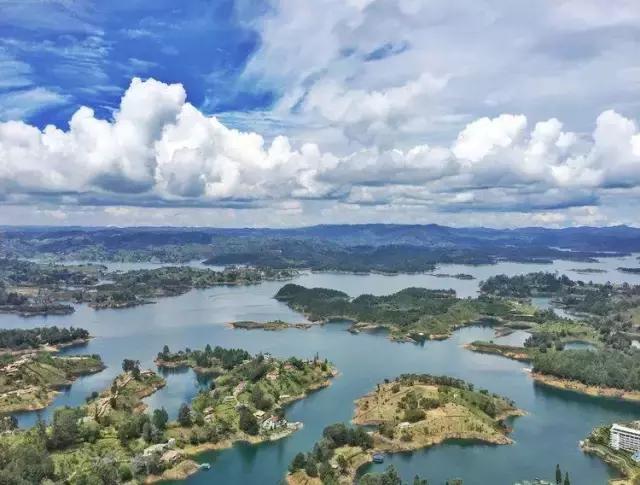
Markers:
413,415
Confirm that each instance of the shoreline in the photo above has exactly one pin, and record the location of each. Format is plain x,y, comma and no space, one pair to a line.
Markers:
576,386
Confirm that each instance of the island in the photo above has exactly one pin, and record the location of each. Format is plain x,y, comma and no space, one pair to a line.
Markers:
411,412
270,325
31,375
415,314
30,288
588,270
458,276
629,270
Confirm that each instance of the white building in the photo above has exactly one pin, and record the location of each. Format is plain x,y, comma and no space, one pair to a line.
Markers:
623,438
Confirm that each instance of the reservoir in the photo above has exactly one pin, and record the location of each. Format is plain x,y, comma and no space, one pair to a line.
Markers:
549,434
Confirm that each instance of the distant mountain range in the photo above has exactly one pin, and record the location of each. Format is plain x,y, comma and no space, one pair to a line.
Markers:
384,247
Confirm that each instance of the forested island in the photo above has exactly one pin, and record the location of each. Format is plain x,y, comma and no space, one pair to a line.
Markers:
29,288
412,313
15,340
609,321
270,325
410,412
629,270
113,439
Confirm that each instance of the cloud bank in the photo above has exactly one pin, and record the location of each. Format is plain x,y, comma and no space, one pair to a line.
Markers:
158,150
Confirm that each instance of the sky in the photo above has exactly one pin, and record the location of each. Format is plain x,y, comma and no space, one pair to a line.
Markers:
276,113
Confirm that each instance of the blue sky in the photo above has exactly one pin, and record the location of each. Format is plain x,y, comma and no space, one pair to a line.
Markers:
281,112
88,55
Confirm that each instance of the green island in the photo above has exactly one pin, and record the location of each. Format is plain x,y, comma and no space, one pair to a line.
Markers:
410,314
629,270
609,322
411,412
29,288
270,325
458,276
30,381
113,439
31,374
599,443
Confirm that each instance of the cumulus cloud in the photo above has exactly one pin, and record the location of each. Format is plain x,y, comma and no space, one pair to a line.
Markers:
159,150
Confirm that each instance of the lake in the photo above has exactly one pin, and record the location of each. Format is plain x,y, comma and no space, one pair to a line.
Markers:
549,434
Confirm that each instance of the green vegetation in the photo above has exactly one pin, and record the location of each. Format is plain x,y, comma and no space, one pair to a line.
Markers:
106,441
139,286
598,443
525,286
29,288
30,381
334,459
247,398
367,247
607,368
270,325
510,351
416,313
35,338
410,412
629,270
419,410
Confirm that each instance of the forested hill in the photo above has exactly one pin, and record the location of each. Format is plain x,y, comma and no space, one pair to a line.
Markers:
367,247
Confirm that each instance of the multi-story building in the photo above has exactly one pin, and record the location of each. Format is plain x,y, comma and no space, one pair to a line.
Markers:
624,438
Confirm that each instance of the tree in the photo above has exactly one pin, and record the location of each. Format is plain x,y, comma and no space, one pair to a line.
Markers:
160,418
297,463
558,474
388,477
343,464
147,432
248,422
64,429
184,415
566,479
132,366
311,468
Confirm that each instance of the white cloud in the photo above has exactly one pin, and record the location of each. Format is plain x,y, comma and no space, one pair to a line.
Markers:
160,151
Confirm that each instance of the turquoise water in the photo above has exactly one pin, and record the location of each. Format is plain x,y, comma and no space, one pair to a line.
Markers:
549,434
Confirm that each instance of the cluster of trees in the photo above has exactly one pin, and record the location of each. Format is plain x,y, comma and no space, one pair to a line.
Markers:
316,462
389,477
31,273
411,309
209,357
525,286
559,480
483,400
605,368
11,297
18,339
543,341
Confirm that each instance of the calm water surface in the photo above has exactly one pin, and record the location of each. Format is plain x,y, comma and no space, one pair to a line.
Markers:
549,434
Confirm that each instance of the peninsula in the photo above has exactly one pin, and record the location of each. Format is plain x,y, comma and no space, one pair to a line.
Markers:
411,412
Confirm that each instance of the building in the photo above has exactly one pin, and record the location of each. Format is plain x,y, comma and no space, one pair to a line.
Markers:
624,438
